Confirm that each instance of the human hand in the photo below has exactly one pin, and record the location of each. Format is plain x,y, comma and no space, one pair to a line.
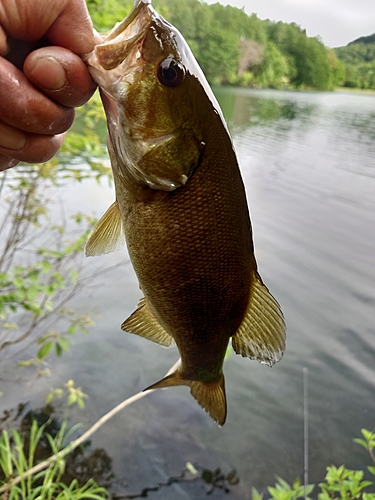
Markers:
40,87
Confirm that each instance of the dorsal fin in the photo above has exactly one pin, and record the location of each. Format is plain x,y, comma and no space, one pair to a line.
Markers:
261,335
108,235
143,323
211,396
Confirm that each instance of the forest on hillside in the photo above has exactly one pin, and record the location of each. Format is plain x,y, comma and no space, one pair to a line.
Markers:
358,58
235,48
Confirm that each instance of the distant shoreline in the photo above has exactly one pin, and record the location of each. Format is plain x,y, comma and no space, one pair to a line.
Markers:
355,89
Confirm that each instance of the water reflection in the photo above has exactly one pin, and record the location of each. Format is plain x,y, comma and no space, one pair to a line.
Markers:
85,463
82,464
244,108
212,481
308,162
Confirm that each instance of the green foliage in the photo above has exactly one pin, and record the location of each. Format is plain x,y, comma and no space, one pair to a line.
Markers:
83,154
41,259
75,395
343,483
283,491
369,444
219,56
359,61
106,13
340,483
275,70
311,63
39,270
364,39
16,459
215,33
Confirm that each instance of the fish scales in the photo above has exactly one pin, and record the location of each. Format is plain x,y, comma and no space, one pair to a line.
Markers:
181,207
201,248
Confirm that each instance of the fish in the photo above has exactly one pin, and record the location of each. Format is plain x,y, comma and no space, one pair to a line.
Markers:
180,208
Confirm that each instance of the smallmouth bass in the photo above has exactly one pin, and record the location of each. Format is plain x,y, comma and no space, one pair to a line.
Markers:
181,207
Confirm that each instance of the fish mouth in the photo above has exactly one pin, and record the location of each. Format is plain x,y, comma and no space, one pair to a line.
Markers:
118,57
116,46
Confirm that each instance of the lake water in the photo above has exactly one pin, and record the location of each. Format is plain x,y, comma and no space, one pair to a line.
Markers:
308,163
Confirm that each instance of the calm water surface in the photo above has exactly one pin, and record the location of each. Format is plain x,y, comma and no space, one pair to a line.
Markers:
308,163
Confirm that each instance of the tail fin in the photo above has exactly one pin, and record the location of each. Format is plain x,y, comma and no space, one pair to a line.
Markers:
211,396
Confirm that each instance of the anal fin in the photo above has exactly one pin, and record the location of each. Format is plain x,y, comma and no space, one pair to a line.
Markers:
108,235
211,396
143,323
261,335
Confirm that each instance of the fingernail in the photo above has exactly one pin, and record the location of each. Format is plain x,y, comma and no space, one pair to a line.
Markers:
49,73
11,138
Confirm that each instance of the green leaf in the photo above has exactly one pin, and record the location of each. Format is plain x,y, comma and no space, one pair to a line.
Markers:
371,469
282,485
368,435
324,495
361,442
255,495
64,343
46,266
232,476
81,402
365,484
45,350
27,362
58,349
368,496
34,275
50,397
18,282
72,329
207,476
309,488
74,276
32,293
72,399
48,305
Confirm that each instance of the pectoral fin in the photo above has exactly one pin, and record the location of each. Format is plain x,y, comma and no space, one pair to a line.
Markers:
108,235
211,396
143,323
261,335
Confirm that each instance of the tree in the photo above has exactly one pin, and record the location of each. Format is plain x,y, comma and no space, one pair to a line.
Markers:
274,70
233,47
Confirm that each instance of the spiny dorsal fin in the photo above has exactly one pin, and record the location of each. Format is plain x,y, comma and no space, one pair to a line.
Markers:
143,323
211,396
108,235
261,335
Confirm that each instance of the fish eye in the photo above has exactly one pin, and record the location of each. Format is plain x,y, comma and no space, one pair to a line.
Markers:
170,73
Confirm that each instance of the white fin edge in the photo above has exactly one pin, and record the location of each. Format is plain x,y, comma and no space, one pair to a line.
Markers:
261,335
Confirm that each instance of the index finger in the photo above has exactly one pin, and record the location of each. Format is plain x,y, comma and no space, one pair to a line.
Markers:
79,38
64,22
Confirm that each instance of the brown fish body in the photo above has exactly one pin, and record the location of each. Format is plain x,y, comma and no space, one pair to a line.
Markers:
192,251
181,204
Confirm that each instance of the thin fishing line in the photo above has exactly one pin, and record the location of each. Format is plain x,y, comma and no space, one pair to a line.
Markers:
306,428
